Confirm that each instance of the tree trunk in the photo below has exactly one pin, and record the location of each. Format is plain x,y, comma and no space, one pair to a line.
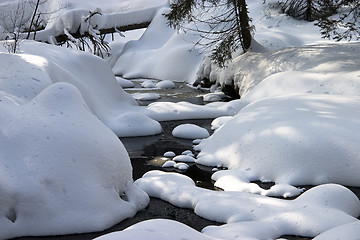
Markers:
243,23
245,26
32,19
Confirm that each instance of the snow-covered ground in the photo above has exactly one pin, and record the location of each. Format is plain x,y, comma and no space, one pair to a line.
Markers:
297,123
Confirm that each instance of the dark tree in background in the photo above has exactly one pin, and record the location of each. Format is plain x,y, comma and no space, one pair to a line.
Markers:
224,25
346,26
338,19
308,10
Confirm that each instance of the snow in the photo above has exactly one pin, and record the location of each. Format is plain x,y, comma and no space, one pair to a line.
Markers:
167,111
165,84
254,216
169,164
47,157
124,83
184,158
69,17
218,122
349,231
313,138
169,154
214,97
136,124
160,229
152,56
181,166
145,96
190,131
46,64
148,84
297,123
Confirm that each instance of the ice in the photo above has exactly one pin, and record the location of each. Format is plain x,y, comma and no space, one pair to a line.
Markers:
190,131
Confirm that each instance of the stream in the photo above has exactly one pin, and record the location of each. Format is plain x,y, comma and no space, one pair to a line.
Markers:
145,154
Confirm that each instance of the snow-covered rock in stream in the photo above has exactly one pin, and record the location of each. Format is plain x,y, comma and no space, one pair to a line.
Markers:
190,131
252,216
62,170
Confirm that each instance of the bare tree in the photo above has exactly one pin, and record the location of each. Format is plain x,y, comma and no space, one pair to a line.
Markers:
14,18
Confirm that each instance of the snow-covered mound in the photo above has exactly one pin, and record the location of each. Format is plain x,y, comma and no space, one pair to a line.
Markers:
190,131
160,229
294,139
331,68
44,64
251,216
161,53
62,170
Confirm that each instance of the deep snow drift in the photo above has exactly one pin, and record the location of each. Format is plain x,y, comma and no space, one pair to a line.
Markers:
44,64
62,170
294,139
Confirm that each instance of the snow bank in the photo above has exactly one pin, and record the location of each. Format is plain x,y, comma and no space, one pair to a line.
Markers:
44,64
307,69
253,216
62,170
153,55
294,139
160,229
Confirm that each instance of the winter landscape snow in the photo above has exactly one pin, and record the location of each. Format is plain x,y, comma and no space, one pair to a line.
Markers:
64,170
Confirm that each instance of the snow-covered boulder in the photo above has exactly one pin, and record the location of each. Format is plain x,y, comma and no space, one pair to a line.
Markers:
44,64
293,139
62,170
190,131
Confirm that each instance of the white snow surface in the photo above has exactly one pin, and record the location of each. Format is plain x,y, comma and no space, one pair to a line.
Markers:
165,84
190,131
152,56
43,64
294,139
62,170
297,123
161,229
124,83
251,216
